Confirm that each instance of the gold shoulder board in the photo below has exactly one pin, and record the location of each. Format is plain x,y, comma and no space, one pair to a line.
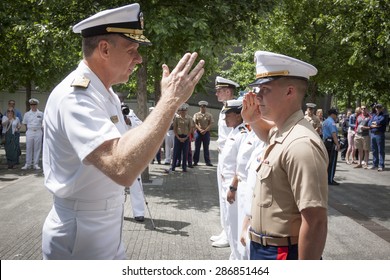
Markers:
81,81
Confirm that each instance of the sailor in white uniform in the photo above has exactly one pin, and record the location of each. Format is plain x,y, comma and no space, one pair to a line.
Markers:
228,172
33,121
136,192
225,90
249,151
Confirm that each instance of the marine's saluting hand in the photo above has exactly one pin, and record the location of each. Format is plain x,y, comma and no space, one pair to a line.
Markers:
250,108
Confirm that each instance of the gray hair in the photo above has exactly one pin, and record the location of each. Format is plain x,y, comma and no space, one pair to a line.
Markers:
89,44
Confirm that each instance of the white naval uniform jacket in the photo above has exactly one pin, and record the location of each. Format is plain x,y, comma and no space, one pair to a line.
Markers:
228,169
80,115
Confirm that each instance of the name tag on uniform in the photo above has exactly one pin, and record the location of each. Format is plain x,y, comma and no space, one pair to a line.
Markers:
114,119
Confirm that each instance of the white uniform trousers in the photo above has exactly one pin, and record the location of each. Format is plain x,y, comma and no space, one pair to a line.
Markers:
169,142
33,146
76,230
220,196
241,214
137,198
230,220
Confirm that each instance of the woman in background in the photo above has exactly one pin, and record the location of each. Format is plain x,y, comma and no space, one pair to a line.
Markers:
351,137
11,124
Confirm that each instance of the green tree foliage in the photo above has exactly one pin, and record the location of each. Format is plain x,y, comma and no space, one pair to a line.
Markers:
38,46
364,28
207,27
348,41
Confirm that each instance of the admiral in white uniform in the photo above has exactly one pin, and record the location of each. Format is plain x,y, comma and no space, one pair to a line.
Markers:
89,155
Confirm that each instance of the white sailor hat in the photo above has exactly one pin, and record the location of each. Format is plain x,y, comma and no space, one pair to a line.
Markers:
233,105
127,21
311,105
151,109
270,66
203,103
222,82
33,101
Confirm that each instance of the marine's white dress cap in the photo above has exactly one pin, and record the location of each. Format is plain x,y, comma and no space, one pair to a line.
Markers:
205,103
270,66
311,105
127,21
183,107
222,82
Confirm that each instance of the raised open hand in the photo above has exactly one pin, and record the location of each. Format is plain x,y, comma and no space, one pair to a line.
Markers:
180,83
250,108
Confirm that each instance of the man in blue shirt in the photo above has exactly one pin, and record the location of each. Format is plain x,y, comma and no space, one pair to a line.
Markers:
377,126
329,135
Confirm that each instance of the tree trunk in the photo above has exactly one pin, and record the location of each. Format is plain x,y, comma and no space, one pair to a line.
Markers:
28,95
142,100
312,92
142,96
157,90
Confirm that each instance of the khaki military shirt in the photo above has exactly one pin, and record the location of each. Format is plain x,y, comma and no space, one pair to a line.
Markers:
203,120
182,125
314,121
291,177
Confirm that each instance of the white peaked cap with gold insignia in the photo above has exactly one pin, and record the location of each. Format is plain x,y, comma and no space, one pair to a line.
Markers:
234,105
127,21
222,82
33,101
270,66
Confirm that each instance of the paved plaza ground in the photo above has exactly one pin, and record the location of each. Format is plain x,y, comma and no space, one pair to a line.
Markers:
185,210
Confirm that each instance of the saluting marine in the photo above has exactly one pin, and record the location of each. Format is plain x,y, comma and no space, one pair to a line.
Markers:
289,208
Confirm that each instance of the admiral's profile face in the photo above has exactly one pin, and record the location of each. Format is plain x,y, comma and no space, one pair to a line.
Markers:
123,58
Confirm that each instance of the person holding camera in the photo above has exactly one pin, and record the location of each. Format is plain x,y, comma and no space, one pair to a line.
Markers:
135,190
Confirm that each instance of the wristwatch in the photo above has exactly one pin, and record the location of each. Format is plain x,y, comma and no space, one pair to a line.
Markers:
232,189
